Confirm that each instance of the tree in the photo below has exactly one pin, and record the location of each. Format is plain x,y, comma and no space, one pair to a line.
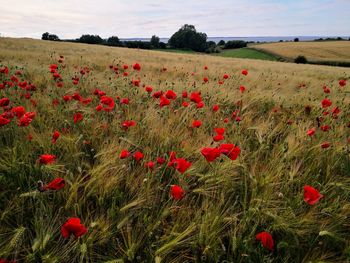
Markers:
90,39
221,43
45,36
155,41
188,38
300,60
296,39
235,44
113,41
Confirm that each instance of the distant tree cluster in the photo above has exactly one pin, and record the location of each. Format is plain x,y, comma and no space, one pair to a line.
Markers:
91,39
188,38
48,36
235,44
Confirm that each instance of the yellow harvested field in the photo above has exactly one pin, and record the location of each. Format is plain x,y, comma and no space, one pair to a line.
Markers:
313,51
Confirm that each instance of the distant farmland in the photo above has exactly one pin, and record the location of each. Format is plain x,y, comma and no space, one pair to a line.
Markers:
314,51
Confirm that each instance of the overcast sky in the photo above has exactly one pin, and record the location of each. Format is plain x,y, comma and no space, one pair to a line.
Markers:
143,18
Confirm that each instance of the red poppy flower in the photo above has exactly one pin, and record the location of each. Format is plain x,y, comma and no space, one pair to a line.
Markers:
4,102
157,94
210,154
220,82
311,195
78,117
200,105
219,131
195,97
311,132
196,124
245,72
181,164
242,89
149,89
218,137
73,226
2,260
55,184
127,124
163,101
177,192
326,103
226,76
136,82
47,159
266,240
138,156
172,156
24,121
136,66
4,70
185,104
4,121
326,90
342,82
55,136
99,107
161,160
325,128
124,101
215,108
184,94
325,145
171,95
205,79
230,150
150,165
124,154
205,67
67,98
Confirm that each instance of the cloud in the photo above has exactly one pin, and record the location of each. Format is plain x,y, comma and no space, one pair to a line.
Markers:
143,18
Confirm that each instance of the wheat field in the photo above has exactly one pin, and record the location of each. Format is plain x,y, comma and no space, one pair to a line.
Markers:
116,127
313,51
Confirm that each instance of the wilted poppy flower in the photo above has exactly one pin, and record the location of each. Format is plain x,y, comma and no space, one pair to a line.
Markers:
163,101
310,132
342,82
78,117
196,124
177,192
73,226
230,150
47,159
124,154
136,66
210,154
326,103
266,240
136,82
55,184
215,108
4,121
245,72
55,136
171,95
138,156
311,195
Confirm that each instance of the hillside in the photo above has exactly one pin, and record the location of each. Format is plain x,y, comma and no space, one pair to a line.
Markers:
313,51
148,156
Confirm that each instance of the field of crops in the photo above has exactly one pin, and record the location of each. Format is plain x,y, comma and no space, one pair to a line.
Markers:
120,155
313,51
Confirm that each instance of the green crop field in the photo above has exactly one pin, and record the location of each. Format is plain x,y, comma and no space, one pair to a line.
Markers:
124,155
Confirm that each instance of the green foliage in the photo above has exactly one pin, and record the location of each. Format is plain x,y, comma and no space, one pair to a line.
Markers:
48,36
188,37
90,39
155,42
232,44
113,41
300,60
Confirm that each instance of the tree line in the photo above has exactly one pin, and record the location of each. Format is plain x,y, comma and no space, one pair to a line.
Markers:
186,38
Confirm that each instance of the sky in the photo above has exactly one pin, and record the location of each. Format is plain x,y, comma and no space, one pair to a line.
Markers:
69,19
